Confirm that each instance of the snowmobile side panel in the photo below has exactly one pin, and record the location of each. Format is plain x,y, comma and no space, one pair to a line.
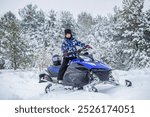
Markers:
76,76
103,75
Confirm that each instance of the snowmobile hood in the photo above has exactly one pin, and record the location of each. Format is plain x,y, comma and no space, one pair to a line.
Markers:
92,65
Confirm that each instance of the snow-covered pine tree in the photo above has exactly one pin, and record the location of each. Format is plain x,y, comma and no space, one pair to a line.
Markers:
97,37
85,29
55,32
129,34
67,21
147,30
13,44
34,26
84,24
32,22
52,39
2,60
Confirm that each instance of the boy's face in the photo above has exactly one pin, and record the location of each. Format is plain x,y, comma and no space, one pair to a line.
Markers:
68,35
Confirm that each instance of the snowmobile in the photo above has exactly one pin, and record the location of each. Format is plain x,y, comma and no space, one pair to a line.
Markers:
82,73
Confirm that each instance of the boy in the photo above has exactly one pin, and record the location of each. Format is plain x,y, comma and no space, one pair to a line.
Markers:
69,45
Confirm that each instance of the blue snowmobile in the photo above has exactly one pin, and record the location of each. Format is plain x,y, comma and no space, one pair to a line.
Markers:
82,73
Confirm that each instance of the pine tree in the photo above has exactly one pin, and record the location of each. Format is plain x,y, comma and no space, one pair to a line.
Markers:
147,30
32,21
14,46
34,26
129,33
67,21
84,23
52,38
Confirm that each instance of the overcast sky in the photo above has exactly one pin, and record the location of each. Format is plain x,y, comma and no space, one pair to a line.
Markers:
102,7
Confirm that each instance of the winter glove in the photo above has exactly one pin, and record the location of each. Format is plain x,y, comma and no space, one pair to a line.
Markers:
88,46
79,50
65,54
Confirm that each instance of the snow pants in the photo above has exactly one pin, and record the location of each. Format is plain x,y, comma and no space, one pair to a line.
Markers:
63,67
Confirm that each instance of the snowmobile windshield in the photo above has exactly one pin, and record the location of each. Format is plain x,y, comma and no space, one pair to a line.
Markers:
86,58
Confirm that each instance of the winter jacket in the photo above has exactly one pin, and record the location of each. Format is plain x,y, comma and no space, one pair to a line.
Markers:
69,45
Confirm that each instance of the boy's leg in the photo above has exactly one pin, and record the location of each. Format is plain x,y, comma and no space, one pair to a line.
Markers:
63,68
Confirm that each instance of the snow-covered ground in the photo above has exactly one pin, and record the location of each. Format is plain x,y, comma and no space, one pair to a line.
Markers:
16,85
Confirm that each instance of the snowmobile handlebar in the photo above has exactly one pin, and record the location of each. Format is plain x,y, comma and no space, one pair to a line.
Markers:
77,51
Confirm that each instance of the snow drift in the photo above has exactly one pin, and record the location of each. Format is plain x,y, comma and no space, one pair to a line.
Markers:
23,85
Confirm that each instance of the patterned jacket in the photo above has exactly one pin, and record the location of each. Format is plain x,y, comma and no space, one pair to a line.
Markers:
69,45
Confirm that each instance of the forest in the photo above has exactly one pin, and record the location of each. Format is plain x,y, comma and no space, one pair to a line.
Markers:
121,39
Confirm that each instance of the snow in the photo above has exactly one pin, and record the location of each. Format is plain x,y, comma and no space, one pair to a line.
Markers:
23,85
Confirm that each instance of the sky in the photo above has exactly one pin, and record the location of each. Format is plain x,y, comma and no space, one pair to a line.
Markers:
95,7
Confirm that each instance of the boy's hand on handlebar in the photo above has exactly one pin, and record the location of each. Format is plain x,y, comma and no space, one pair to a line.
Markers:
88,46
65,54
79,50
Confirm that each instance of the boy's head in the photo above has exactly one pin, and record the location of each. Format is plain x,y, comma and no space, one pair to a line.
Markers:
68,34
